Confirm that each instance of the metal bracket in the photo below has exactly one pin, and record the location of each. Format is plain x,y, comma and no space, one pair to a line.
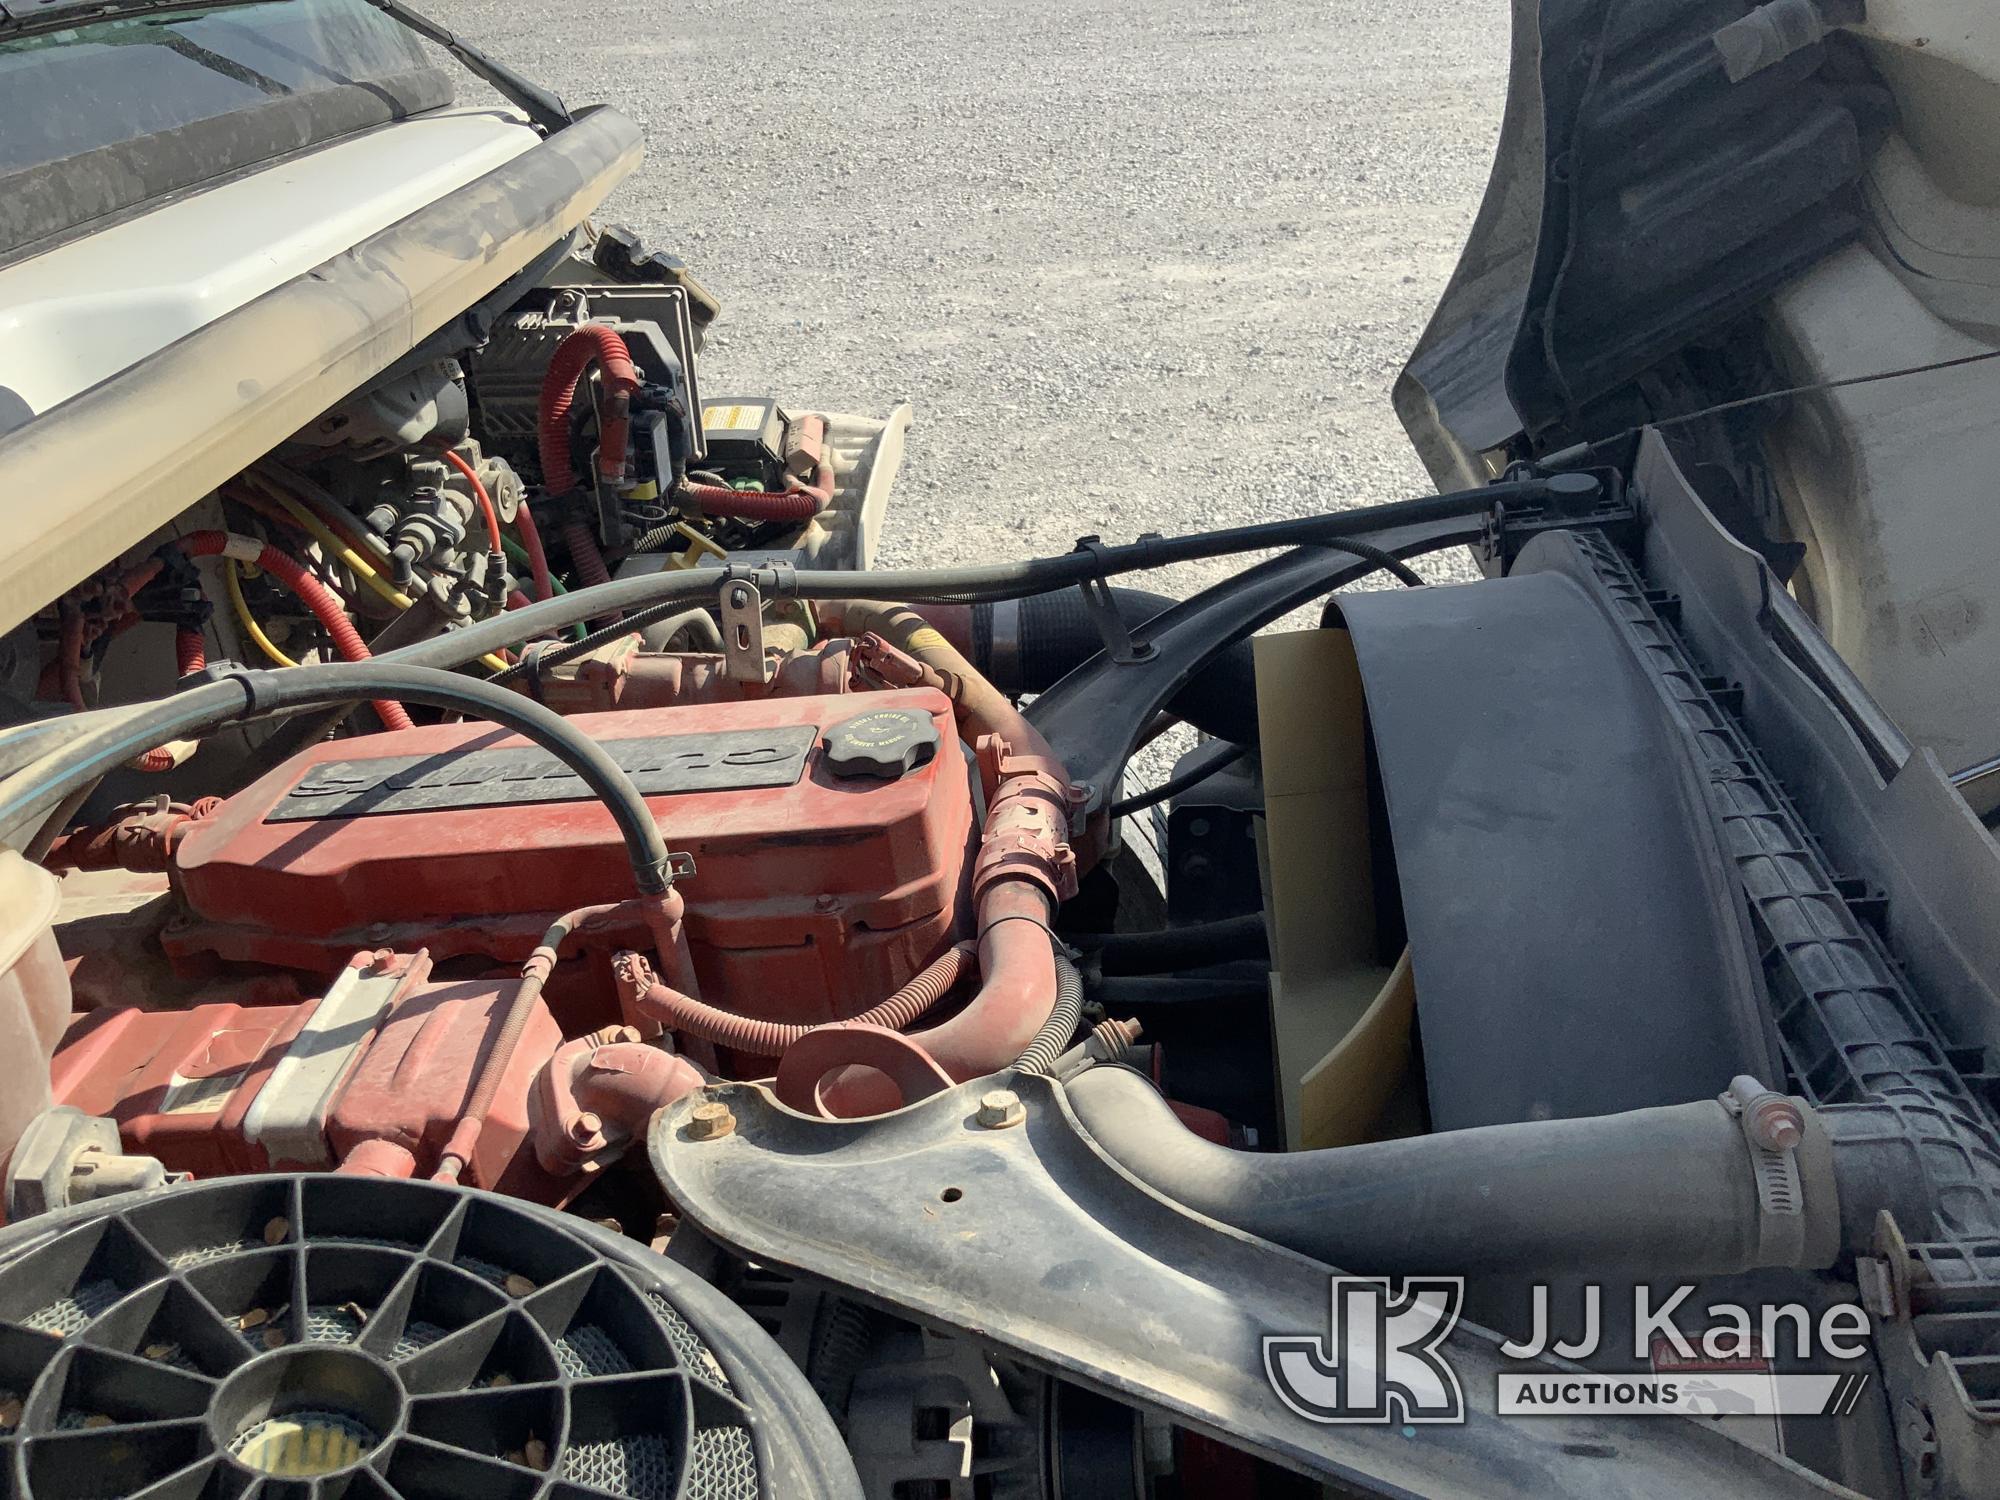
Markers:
1033,1241
742,608
65,1157
607,506
1111,629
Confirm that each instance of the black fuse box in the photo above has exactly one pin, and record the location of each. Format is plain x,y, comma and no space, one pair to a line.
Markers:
746,438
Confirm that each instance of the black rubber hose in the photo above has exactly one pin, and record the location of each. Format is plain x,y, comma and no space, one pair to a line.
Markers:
1329,614
698,623
1054,635
1656,1192
1383,558
1220,758
28,791
251,695
1057,1032
1177,947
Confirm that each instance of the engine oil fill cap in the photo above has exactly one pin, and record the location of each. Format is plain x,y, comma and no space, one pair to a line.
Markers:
883,745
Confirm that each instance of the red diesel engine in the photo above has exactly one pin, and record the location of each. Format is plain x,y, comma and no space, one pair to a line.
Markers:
503,998
826,838
823,852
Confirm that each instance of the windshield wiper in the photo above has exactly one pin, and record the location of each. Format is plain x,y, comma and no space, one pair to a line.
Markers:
537,103
22,16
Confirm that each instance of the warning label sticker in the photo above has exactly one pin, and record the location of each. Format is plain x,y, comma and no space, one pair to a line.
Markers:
732,418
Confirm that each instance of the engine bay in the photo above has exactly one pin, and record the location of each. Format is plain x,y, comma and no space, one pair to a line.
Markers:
530,965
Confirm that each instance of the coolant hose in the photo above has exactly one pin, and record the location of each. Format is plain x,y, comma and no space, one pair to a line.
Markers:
1174,948
681,1012
1054,1037
1004,1018
1029,645
981,707
310,591
1024,868
587,344
1656,1192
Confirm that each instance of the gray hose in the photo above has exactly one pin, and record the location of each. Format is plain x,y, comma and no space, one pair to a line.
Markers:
1656,1192
1054,1037
966,585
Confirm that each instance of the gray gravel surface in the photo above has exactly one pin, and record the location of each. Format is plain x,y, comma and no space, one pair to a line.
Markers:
1140,265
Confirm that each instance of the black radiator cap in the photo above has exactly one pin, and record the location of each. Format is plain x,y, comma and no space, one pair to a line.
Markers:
883,745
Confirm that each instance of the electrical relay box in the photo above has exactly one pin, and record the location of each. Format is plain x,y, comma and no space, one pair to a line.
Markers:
745,437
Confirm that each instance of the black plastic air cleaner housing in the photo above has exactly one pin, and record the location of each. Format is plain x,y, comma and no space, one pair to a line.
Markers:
321,1337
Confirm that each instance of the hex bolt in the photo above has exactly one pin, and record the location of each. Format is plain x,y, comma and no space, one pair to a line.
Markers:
1000,1109
1770,1119
585,1128
1775,1123
710,1122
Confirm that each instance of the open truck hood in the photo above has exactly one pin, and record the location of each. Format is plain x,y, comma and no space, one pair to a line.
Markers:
114,463
1640,200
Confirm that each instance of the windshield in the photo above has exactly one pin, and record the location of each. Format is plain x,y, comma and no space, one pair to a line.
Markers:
99,118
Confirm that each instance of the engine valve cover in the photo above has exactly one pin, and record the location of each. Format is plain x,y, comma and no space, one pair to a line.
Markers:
815,894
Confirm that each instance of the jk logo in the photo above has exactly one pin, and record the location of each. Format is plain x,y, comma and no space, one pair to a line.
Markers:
1378,1361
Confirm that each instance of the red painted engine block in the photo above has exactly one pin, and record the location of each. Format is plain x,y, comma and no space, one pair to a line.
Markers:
384,1056
814,894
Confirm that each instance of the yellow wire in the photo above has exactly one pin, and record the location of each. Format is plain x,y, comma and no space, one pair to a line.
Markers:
356,564
232,578
324,535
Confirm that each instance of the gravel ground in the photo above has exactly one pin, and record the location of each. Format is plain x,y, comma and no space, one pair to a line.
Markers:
1140,265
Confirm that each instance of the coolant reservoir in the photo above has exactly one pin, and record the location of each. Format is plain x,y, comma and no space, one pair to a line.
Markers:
34,994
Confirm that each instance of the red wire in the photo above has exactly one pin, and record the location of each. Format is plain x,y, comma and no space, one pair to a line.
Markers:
478,493
289,571
538,557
